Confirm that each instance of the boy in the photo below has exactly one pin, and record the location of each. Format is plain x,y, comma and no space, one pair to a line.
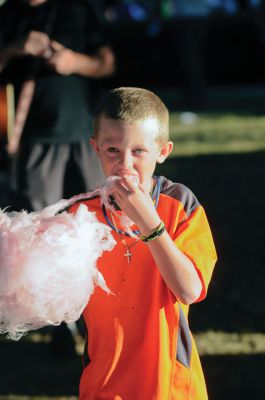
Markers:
139,346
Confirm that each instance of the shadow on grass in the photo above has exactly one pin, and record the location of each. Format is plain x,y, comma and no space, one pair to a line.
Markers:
29,368
231,188
237,377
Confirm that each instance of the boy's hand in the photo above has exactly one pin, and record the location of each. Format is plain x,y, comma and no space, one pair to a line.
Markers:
137,204
175,267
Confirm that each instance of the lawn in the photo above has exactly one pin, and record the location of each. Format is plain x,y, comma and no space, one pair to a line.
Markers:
220,155
216,133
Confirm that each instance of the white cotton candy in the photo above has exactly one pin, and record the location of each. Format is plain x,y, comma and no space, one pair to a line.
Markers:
106,191
48,266
48,262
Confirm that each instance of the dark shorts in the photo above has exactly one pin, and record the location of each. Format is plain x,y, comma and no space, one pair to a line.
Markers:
44,173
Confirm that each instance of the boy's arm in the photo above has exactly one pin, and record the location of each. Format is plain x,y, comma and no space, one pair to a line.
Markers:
177,270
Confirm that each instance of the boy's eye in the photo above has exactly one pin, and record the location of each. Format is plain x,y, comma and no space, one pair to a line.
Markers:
138,151
112,150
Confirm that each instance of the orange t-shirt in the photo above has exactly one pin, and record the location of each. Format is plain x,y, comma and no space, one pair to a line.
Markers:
139,346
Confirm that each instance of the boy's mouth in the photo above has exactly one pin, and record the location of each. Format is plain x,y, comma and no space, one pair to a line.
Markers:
133,178
126,173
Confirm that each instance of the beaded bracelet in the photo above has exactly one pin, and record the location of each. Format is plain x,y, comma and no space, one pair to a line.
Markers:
157,232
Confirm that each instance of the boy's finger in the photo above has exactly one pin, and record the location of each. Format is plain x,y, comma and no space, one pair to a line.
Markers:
130,184
120,186
119,190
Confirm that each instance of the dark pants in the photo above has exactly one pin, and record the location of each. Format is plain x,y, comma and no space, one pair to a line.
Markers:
44,173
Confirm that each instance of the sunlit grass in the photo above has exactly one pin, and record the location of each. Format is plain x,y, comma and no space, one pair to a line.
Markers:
216,133
208,342
216,343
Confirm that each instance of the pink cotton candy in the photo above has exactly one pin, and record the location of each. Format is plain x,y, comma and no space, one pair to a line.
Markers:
48,263
48,267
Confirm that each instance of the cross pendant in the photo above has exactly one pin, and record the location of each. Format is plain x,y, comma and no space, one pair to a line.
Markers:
128,255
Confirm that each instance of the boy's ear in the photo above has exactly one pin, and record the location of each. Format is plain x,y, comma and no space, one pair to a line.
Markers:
164,152
94,144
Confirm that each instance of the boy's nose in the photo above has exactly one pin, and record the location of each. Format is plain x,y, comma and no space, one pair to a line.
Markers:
126,160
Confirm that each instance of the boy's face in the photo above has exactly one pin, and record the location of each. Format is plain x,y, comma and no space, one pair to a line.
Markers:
129,149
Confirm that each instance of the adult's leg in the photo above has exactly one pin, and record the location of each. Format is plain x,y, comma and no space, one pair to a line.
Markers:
83,171
38,173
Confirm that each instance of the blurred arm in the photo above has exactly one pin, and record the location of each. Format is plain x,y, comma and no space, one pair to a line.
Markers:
34,44
66,62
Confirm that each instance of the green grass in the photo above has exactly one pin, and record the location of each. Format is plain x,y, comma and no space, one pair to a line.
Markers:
225,343
217,133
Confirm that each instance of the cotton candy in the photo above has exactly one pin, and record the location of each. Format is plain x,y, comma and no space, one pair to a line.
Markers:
48,266
48,262
105,193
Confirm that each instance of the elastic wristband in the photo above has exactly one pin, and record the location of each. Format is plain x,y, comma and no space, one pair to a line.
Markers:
157,228
157,232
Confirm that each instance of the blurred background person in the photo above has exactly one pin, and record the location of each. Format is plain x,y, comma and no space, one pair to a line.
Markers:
48,50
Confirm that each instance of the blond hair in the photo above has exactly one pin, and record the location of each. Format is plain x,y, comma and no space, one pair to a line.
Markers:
135,106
